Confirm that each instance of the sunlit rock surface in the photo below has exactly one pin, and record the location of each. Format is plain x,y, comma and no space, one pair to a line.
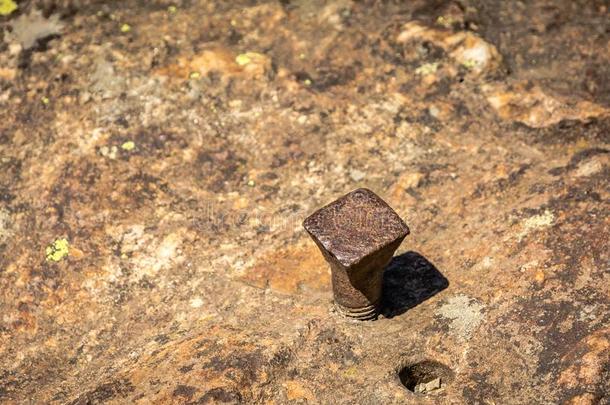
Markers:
174,148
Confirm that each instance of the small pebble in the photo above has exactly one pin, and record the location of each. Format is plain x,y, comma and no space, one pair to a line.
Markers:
357,175
427,387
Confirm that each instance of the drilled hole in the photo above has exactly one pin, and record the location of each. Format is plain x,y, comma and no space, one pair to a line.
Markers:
425,377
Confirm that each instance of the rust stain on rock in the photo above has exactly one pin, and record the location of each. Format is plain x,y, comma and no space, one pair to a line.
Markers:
292,270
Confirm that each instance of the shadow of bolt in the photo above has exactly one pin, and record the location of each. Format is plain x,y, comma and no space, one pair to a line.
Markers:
409,280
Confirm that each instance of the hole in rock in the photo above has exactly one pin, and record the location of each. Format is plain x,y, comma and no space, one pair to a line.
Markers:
425,377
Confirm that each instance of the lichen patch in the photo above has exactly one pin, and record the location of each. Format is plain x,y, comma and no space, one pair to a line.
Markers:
464,314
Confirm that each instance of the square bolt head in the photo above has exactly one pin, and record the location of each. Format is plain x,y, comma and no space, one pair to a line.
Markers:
357,226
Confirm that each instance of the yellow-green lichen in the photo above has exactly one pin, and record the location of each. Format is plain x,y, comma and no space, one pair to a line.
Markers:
125,28
58,250
243,59
446,22
469,64
426,69
172,9
7,7
195,75
128,146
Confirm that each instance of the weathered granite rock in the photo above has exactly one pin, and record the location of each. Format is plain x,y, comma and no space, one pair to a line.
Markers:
150,241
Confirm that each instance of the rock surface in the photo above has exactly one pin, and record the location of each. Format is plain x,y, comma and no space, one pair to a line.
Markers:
173,148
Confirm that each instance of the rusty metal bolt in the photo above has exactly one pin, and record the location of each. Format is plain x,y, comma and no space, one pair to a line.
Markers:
358,235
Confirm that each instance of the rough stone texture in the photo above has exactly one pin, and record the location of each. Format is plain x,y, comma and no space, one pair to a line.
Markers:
180,178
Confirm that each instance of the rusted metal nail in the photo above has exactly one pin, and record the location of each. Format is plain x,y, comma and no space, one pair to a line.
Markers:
357,234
